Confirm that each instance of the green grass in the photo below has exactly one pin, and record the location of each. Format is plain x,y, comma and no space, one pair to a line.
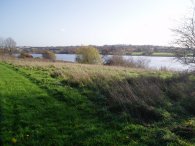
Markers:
164,54
44,103
31,116
137,53
160,54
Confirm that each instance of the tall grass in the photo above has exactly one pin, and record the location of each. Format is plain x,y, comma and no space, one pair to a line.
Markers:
133,90
124,89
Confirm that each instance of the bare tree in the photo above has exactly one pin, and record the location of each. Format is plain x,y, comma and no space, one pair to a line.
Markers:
1,43
9,45
185,39
2,46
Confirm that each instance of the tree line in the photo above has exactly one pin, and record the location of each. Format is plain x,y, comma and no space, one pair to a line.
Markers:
105,49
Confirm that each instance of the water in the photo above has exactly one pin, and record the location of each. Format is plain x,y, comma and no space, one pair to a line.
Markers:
155,62
167,62
66,57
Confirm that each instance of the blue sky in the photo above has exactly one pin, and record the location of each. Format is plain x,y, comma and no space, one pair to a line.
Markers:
85,22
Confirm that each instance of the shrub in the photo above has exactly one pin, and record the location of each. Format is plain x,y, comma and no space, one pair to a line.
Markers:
25,55
88,55
142,62
147,52
49,55
164,68
120,61
57,74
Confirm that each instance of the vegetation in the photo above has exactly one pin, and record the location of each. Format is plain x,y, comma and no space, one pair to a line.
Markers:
163,54
53,103
88,54
118,60
136,53
185,39
160,54
49,55
25,55
148,52
7,46
106,49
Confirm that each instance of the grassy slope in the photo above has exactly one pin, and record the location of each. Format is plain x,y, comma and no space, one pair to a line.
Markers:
48,112
32,117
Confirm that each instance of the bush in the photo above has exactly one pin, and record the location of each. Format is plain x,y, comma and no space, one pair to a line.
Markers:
25,55
88,55
147,52
120,61
57,74
49,55
142,62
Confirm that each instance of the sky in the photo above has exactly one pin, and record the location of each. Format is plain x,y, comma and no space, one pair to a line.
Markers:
91,22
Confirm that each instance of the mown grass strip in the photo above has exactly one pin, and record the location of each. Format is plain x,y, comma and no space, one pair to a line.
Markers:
31,117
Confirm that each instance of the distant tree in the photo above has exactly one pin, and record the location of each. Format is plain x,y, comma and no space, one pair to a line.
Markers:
148,52
1,45
9,45
88,54
49,55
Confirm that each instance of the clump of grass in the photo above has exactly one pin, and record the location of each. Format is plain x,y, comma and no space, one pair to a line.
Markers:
57,74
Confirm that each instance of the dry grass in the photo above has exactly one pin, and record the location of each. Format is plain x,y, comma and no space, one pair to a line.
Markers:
140,92
76,69
85,74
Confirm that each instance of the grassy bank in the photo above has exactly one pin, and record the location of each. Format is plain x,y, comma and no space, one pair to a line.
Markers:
48,103
158,54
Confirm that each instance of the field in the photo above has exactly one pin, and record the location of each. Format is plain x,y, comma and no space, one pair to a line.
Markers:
56,103
159,54
163,54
